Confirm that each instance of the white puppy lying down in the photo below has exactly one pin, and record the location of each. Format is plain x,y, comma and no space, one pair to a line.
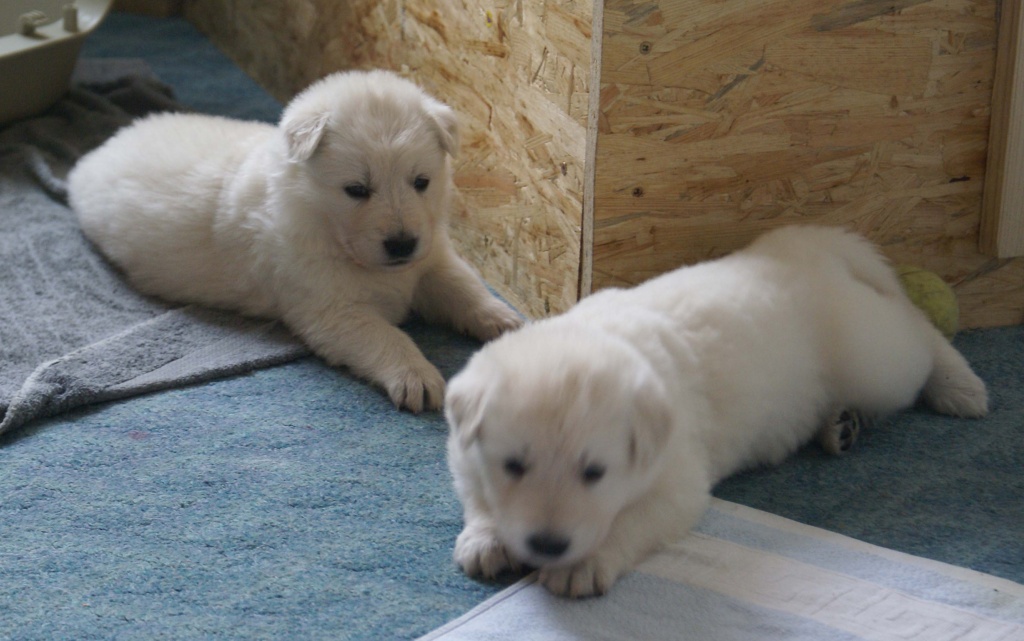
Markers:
582,443
335,221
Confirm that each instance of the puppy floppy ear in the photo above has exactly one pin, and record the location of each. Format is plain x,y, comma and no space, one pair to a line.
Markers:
464,410
303,134
652,420
446,125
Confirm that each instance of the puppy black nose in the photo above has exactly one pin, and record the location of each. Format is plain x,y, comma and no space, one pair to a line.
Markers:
400,247
548,544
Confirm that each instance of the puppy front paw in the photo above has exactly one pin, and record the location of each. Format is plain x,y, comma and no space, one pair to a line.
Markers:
416,388
491,320
592,576
479,553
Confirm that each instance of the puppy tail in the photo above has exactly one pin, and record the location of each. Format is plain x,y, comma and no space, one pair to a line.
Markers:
859,256
866,263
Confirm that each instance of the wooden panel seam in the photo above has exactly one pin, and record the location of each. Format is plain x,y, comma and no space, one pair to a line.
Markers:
1002,215
586,280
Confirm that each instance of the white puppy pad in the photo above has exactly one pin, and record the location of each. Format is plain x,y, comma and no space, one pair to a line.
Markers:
745,575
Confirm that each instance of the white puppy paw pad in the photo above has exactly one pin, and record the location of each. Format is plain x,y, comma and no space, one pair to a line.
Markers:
493,320
417,389
587,578
479,554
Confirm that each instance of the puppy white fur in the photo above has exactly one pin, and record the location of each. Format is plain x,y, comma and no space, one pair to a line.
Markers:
334,221
582,443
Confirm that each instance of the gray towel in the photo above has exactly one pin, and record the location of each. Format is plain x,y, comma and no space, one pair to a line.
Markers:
71,330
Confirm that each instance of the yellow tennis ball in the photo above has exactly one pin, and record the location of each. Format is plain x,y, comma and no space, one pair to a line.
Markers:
933,296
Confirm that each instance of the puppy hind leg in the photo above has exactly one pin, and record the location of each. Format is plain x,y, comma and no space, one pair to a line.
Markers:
879,354
889,354
952,387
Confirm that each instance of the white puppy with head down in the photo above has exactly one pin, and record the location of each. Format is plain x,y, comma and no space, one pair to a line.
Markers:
335,221
582,443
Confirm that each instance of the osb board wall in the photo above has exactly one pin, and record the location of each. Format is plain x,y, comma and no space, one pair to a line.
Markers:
517,71
720,119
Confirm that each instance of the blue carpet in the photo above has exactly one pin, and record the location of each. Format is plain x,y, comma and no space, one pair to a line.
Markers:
296,503
293,503
203,78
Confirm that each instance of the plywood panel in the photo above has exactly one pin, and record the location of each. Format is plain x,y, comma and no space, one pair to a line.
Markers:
720,119
517,71
715,120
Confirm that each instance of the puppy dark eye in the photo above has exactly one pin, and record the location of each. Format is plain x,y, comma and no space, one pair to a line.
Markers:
421,183
357,191
515,468
593,473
